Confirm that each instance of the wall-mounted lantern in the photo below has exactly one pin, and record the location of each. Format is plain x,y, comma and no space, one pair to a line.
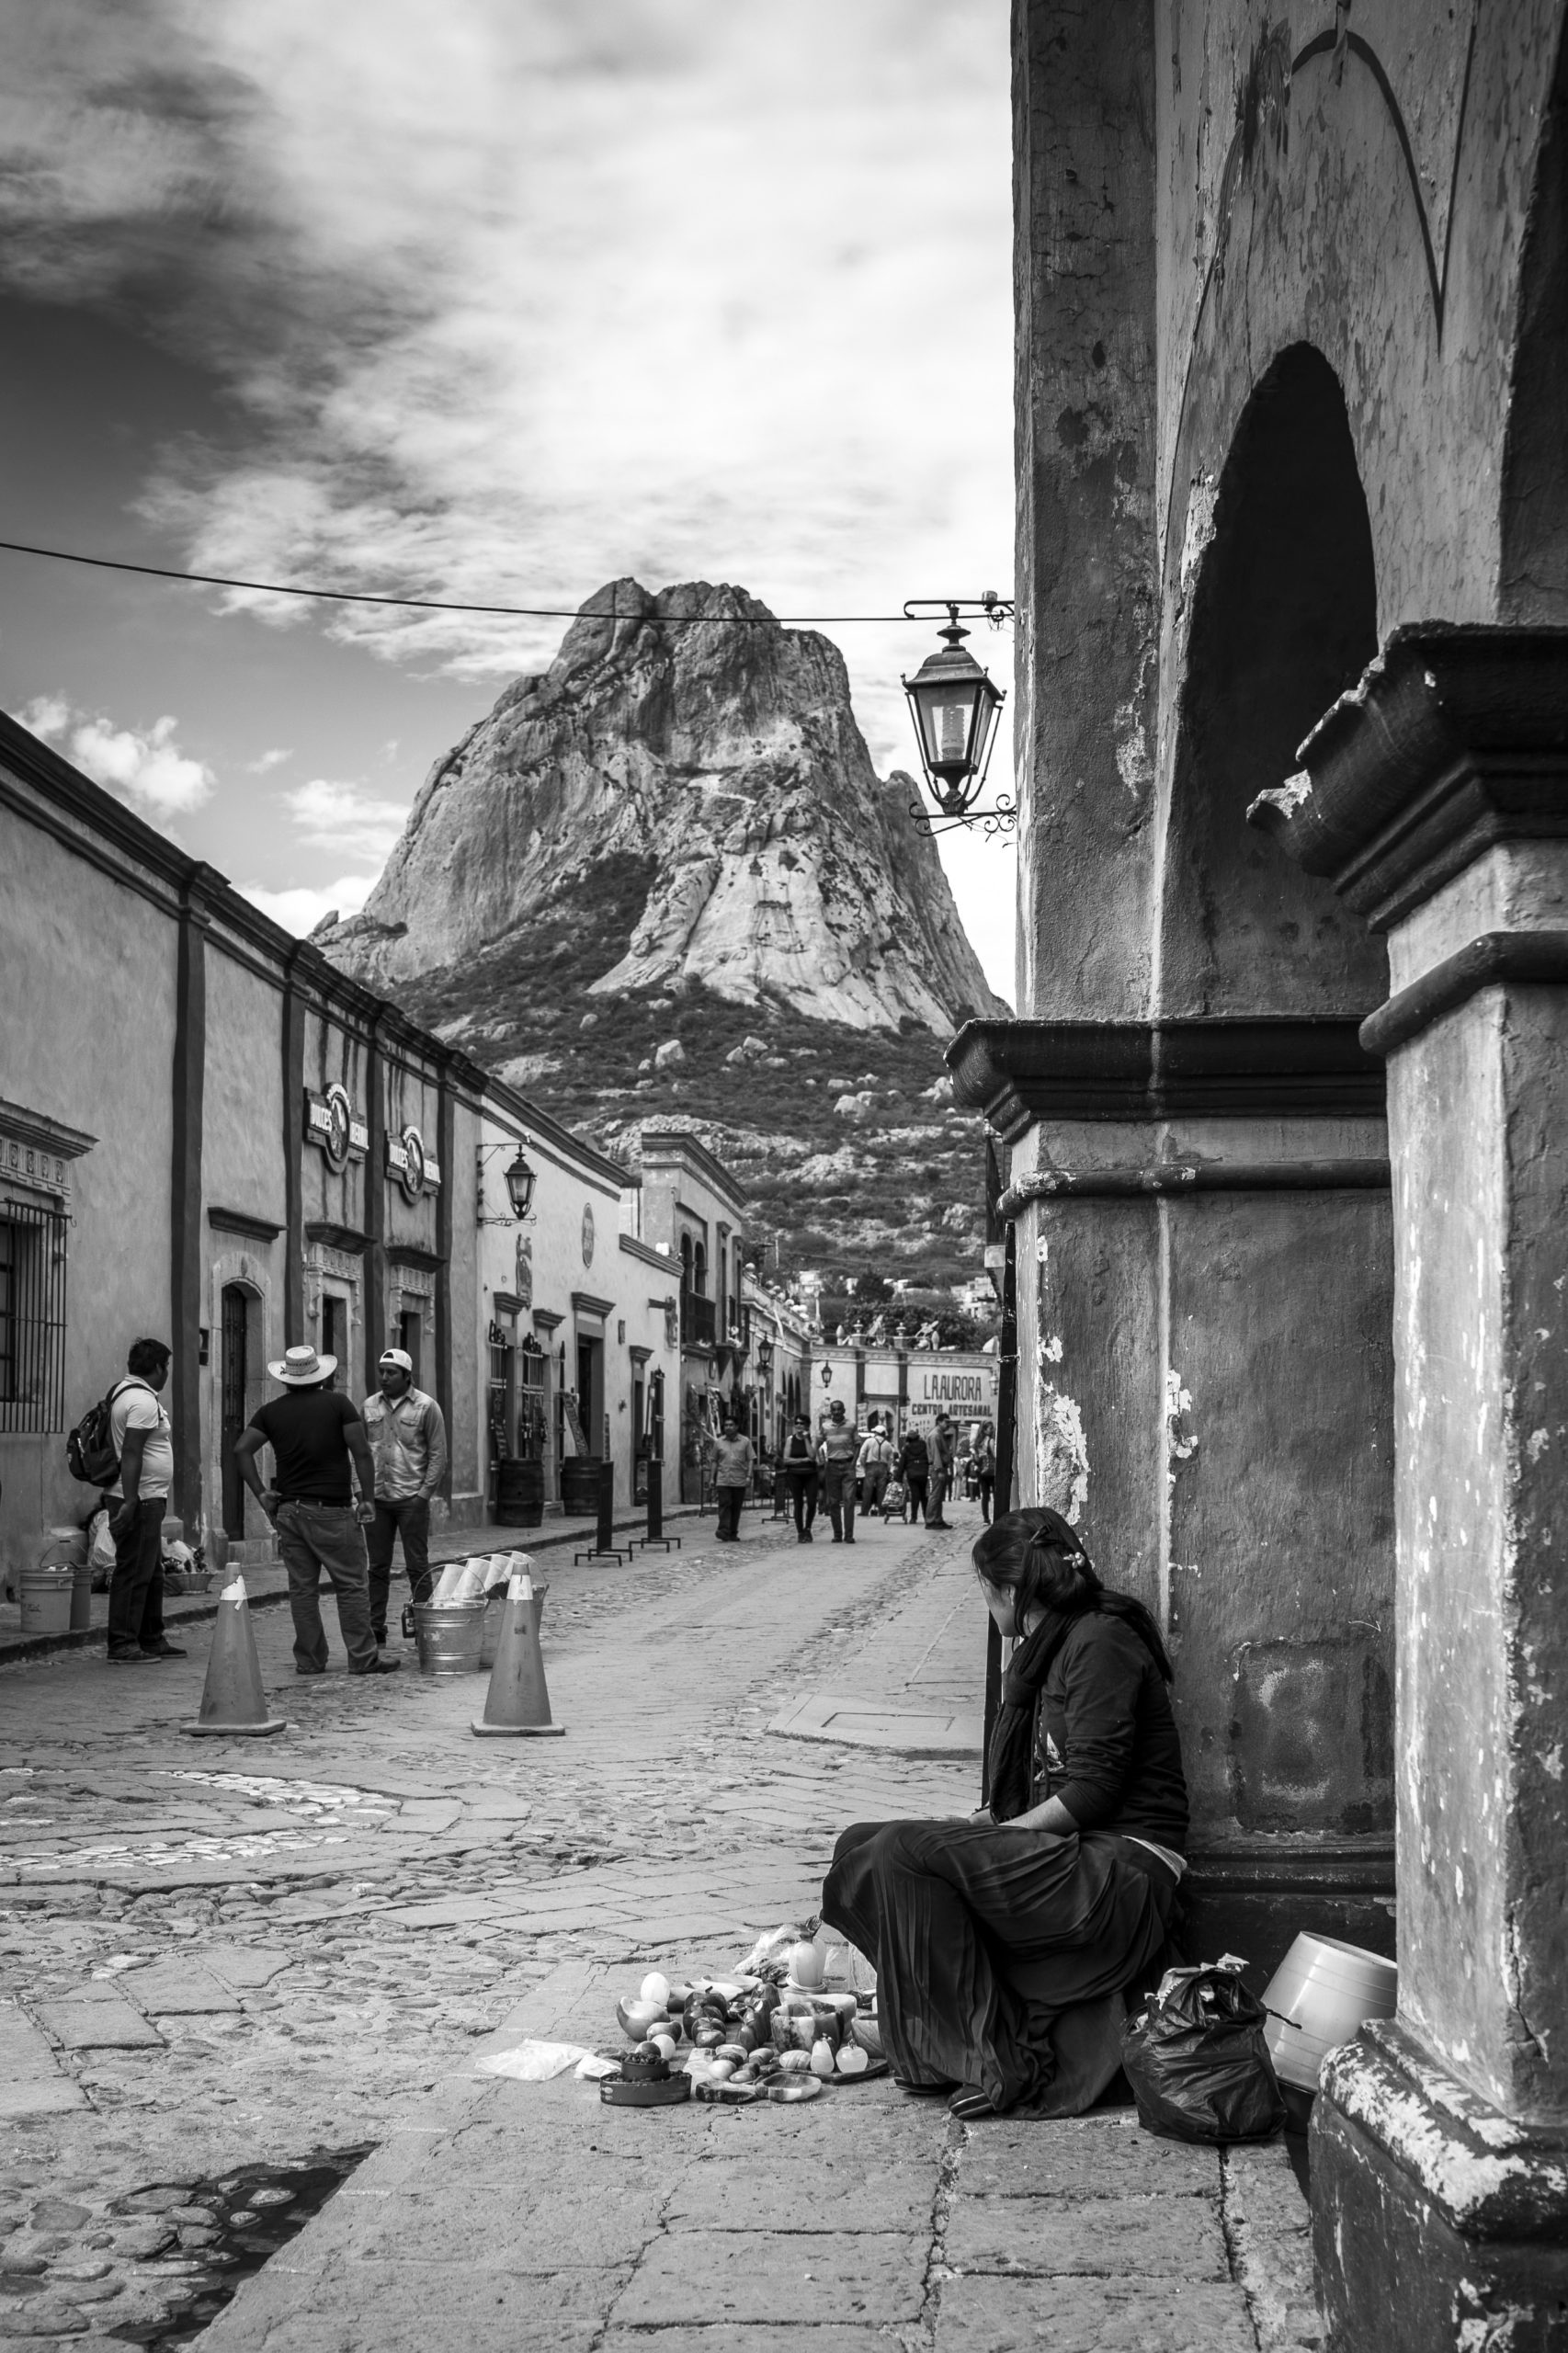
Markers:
954,704
519,1179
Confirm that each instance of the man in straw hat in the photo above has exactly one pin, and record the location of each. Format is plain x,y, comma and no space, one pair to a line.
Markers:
317,1439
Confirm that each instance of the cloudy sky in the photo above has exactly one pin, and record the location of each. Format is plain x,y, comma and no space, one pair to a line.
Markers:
496,300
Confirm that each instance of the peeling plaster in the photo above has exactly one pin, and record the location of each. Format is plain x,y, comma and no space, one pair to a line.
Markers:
1061,1454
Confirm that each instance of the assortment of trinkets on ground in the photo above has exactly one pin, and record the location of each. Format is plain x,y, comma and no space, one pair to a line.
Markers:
774,2030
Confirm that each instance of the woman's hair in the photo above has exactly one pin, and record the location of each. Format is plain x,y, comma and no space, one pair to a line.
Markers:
1039,1558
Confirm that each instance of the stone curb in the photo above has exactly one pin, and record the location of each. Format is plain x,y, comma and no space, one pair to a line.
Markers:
16,1649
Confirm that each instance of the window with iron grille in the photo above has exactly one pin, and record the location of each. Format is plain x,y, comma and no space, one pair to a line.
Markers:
32,1318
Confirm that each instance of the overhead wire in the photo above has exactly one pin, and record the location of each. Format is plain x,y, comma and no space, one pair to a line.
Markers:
445,604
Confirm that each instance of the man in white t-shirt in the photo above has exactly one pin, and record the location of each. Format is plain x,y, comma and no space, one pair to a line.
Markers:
143,1437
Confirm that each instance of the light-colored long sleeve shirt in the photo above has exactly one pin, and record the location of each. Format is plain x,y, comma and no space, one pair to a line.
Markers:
408,1440
731,1462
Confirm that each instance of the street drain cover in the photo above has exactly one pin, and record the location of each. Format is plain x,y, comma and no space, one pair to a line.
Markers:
254,2211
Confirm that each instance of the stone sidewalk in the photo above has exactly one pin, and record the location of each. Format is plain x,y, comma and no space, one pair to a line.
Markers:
268,1583
216,1955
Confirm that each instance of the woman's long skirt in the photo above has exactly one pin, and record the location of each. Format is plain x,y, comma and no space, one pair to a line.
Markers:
981,1937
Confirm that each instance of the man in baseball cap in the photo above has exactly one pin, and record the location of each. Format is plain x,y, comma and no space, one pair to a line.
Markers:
408,1440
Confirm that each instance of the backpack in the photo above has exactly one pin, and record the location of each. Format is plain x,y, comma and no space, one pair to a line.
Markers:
917,1454
89,1450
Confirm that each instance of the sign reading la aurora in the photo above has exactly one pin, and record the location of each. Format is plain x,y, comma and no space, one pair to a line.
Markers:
414,1168
332,1125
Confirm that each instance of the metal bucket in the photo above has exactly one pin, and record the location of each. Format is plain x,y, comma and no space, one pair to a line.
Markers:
450,1636
494,1610
46,1600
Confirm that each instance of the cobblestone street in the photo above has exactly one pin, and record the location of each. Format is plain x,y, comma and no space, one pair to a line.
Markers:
221,1958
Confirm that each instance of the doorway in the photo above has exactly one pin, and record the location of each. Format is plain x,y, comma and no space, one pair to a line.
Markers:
233,1415
591,1392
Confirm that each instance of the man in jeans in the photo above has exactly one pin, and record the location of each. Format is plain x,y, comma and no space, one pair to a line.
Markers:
408,1440
838,1450
944,1455
142,1436
315,1436
731,1474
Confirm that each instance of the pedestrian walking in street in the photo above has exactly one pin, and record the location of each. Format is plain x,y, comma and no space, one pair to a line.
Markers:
1003,1945
408,1441
143,1437
874,1468
944,1454
317,1439
799,1459
913,1468
732,1477
838,1450
986,1470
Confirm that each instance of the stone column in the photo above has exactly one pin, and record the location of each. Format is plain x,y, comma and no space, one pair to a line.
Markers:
1204,1279
1436,797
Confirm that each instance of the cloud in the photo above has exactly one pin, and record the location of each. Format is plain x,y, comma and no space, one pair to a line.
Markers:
519,296
300,909
265,762
145,768
346,817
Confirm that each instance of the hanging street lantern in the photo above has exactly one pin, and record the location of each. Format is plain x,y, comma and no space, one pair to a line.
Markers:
519,1180
954,704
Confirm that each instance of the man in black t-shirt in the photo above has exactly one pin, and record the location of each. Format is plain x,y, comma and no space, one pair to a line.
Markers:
317,1440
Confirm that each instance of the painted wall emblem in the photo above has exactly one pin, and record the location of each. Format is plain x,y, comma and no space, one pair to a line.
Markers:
587,1233
408,1161
331,1127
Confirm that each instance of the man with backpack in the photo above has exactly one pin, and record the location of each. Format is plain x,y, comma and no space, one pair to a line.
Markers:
914,1469
140,1438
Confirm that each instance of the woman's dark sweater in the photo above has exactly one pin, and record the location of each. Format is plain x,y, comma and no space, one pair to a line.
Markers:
1105,1739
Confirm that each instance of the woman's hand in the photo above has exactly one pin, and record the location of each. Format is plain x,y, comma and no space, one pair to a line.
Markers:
984,1820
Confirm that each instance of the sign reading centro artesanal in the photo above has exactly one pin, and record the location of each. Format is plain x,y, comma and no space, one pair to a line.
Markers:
967,1392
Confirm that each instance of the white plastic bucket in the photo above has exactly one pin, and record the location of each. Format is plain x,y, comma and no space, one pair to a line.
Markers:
46,1600
1320,1994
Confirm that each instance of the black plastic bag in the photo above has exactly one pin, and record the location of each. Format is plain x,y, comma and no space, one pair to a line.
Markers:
1197,2061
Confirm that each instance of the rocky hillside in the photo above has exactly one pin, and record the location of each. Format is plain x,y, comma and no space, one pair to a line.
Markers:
664,881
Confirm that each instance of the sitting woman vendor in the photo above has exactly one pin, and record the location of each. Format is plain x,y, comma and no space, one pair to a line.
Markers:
1003,1944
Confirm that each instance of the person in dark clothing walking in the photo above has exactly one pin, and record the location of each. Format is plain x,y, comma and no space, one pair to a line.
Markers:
914,1469
142,1438
317,1438
1003,1945
798,1463
944,1455
985,1460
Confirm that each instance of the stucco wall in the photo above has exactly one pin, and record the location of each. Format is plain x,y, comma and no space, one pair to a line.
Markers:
88,983
242,1161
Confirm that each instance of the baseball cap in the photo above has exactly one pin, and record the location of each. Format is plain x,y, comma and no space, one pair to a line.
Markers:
397,1359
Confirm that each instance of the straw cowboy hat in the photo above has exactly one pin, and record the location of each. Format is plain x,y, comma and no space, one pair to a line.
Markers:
301,1368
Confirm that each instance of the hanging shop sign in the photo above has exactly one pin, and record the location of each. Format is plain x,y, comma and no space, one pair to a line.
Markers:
331,1124
408,1161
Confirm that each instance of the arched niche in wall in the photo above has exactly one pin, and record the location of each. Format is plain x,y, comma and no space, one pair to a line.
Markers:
1284,618
1533,572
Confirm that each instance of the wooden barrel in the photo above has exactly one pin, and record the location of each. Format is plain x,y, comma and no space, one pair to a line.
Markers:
580,1486
519,1494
